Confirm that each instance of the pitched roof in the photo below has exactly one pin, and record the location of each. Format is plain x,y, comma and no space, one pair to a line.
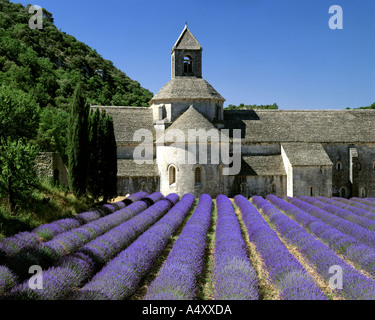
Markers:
127,120
323,126
128,168
262,166
306,154
186,41
191,119
191,88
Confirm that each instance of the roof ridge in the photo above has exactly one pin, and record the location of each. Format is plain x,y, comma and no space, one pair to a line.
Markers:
192,88
187,115
303,110
120,107
185,31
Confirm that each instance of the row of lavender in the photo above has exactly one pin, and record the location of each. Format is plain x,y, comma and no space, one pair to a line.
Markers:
342,243
335,220
128,248
320,256
45,254
233,275
25,240
284,271
177,279
19,254
121,276
74,270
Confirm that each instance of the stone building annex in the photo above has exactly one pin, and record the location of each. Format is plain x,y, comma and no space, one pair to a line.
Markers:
283,152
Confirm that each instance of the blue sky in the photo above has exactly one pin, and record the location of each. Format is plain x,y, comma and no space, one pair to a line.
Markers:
254,51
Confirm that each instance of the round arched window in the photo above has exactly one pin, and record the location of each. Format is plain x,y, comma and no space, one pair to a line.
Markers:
188,64
172,175
363,192
311,191
343,192
243,187
198,175
273,188
339,166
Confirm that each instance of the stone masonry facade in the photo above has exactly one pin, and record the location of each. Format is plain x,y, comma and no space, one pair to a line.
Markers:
283,152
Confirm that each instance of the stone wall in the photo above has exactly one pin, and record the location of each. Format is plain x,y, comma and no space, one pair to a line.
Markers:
175,108
178,62
128,185
260,149
212,182
50,167
126,150
319,178
364,175
326,181
257,185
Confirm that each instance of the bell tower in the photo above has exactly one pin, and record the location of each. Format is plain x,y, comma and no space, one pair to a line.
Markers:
187,56
187,87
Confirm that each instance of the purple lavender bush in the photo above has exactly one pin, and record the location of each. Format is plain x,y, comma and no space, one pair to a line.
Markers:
7,280
284,270
121,276
356,210
48,231
24,241
361,255
354,204
135,197
355,285
177,280
233,275
11,246
72,240
74,270
363,201
342,213
46,254
105,247
364,236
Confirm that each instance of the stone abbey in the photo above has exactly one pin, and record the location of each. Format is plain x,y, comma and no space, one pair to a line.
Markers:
283,152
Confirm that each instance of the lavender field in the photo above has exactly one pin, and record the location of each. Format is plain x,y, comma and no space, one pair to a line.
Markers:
156,247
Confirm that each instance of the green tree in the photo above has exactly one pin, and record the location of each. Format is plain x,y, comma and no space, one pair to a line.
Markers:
110,152
51,135
19,113
46,63
77,146
102,164
17,170
94,177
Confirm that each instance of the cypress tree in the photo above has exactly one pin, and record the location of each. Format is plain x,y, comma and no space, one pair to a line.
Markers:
102,163
78,143
101,153
94,179
110,152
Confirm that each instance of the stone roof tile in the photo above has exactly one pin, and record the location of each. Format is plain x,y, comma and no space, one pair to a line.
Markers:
187,88
187,41
128,168
127,120
262,166
323,126
306,154
191,119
